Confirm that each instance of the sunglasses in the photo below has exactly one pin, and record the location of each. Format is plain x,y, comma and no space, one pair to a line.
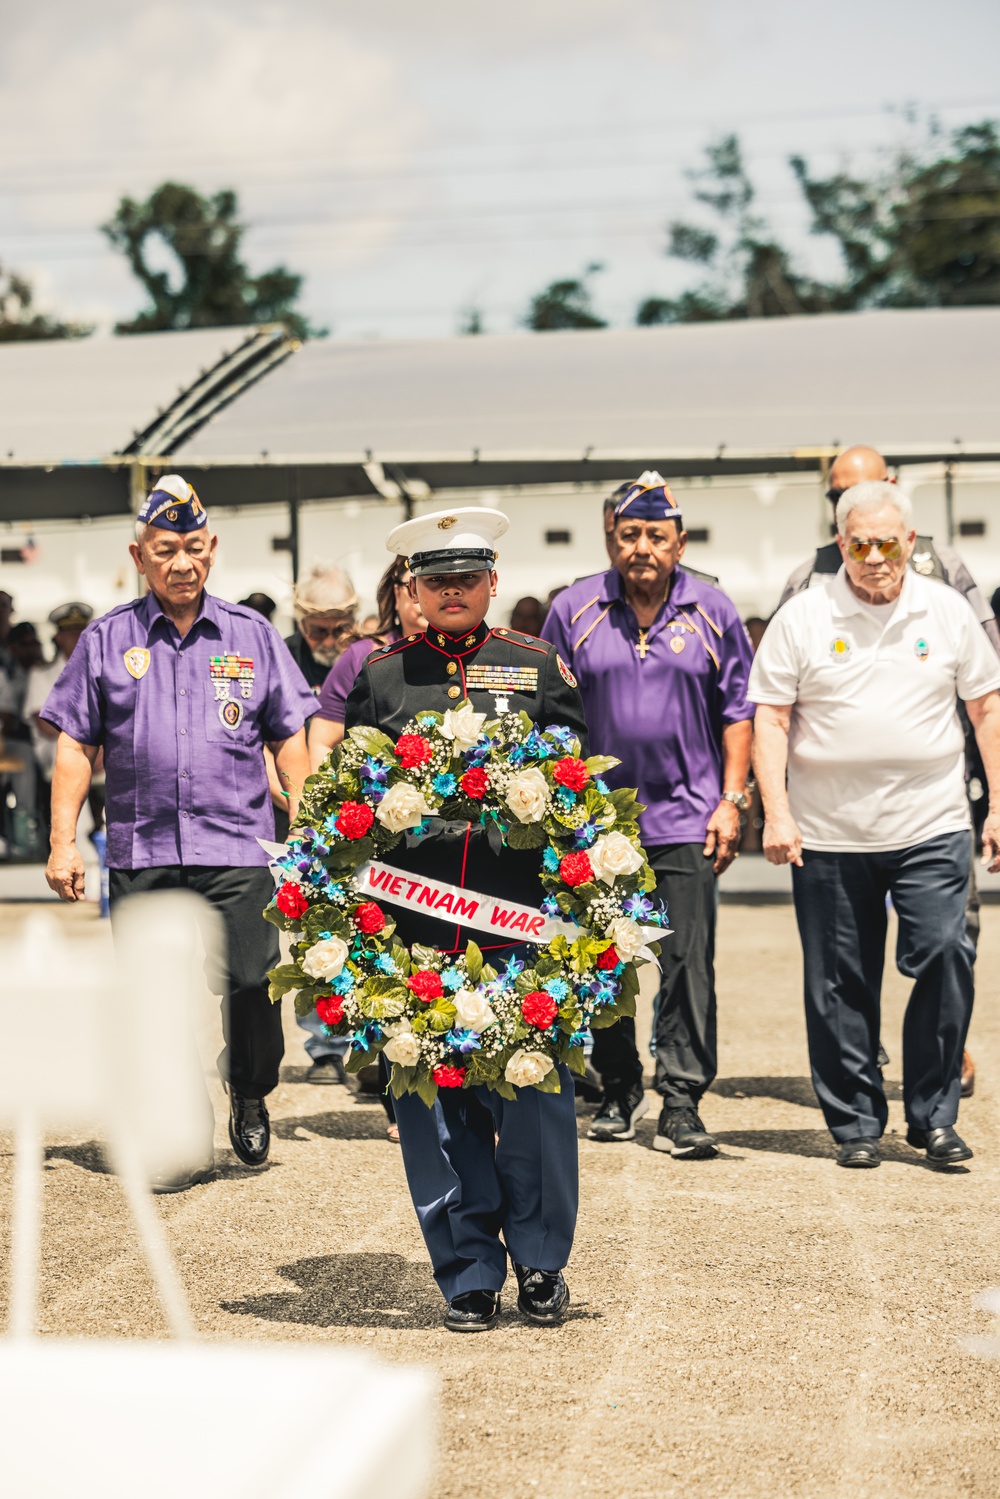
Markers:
833,495
891,550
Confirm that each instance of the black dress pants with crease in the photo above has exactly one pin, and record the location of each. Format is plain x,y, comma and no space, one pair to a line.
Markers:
251,1024
841,910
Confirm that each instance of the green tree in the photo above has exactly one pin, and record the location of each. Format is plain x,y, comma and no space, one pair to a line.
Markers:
565,304
749,273
925,231
19,321
215,286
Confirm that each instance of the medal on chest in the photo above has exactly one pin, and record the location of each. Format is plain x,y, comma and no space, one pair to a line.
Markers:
501,681
228,673
137,661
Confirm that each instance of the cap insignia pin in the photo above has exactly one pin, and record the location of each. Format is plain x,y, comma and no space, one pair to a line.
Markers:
446,522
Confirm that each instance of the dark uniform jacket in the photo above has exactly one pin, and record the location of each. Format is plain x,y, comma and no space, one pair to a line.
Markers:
498,671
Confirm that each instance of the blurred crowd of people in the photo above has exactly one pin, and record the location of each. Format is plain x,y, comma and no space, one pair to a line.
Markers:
27,753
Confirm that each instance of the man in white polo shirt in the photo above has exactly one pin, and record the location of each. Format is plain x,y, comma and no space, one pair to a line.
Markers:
856,682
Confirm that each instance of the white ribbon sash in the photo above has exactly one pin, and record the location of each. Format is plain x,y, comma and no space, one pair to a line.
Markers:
504,919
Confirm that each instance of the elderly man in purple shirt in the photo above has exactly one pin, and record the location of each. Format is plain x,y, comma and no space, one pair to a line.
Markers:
182,691
663,662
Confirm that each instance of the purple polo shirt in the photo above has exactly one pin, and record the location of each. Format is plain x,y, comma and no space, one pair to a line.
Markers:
663,716
182,736
336,689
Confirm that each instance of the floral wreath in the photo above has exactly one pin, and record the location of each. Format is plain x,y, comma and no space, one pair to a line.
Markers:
448,1021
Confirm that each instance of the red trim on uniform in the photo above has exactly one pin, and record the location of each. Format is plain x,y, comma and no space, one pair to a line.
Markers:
385,654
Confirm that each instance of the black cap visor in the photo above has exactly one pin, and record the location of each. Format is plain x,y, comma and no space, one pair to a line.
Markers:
450,560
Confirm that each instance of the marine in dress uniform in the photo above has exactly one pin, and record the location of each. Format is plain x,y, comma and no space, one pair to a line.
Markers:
488,1177
182,711
667,696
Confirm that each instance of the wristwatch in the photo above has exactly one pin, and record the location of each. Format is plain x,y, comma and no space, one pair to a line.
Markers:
739,799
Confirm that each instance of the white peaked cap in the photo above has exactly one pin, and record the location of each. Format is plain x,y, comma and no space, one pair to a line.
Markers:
461,540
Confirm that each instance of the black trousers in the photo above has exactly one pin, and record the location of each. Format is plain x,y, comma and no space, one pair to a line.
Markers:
251,1024
684,1026
841,911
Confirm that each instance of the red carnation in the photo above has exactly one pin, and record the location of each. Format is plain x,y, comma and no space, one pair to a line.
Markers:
291,900
354,819
609,958
369,917
539,1009
576,869
570,772
425,985
330,1009
449,1077
475,782
413,750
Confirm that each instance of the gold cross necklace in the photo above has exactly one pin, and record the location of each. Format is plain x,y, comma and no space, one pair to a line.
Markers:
644,646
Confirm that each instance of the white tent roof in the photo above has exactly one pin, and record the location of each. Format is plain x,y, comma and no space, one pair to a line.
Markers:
904,381
82,399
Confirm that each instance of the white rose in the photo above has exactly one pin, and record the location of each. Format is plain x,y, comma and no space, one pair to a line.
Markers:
472,1011
403,806
464,726
404,1049
613,855
528,795
627,937
325,958
526,1068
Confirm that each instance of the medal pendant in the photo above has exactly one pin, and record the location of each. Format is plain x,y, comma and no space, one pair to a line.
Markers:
502,702
137,661
222,692
677,644
246,689
231,714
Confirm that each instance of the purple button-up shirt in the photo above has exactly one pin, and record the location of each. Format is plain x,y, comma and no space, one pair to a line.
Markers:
186,782
663,713
340,678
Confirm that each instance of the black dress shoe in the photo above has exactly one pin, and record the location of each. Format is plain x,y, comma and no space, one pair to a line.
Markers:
862,1151
249,1128
944,1146
543,1295
473,1311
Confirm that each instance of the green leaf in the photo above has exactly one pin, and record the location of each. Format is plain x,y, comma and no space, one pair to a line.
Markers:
440,1016
526,835
629,981
425,957
605,1018
425,1088
550,1082
401,1080
575,1060
505,1089
358,1059
473,962
305,1002
285,977
372,741
598,764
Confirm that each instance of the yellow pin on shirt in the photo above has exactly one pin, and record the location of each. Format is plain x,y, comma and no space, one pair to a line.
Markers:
137,661
677,644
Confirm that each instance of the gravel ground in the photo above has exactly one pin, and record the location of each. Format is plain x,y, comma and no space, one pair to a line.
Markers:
762,1324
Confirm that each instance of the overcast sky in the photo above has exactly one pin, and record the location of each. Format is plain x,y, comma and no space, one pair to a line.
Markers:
413,158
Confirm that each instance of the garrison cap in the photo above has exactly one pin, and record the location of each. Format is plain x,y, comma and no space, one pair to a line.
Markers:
449,541
649,498
71,616
173,506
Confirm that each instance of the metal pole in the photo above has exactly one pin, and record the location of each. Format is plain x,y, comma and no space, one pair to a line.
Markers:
949,503
293,526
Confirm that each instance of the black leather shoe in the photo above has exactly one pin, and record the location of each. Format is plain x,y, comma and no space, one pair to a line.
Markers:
249,1128
543,1295
944,1147
473,1311
616,1118
861,1151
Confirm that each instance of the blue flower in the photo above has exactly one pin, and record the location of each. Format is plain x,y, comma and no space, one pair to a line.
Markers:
578,1038
549,906
585,835
331,822
479,753
444,784
325,935
463,1041
639,907
385,963
535,745
425,720
452,979
601,785
513,968
558,988
343,983
561,734
374,771
550,860
566,798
